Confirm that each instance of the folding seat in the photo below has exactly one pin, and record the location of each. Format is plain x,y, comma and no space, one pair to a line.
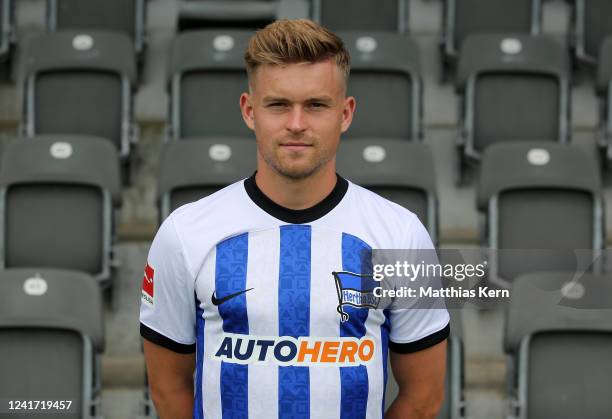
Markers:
58,195
542,202
558,338
190,170
604,91
513,87
243,14
124,16
591,25
51,341
400,171
454,406
206,78
362,15
81,83
385,79
462,18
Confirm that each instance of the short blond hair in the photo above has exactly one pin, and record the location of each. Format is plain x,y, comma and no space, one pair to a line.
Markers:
290,41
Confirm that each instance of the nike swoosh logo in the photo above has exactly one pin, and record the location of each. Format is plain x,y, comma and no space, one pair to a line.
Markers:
217,301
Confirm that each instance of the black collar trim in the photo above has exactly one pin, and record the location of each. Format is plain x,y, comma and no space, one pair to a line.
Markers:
292,216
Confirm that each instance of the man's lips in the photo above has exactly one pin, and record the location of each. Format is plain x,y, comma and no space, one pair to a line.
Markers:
295,145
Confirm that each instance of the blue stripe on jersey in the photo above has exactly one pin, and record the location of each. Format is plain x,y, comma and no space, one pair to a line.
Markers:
384,338
354,380
294,317
230,277
198,405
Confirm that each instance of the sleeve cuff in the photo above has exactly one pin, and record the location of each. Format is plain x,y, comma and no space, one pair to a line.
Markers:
161,340
419,345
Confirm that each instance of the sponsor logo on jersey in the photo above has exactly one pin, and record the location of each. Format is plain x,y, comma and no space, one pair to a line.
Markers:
354,290
217,301
148,286
289,351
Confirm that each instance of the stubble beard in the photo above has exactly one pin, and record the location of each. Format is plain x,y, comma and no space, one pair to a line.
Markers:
290,171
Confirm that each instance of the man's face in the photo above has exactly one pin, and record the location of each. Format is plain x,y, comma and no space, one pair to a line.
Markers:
298,112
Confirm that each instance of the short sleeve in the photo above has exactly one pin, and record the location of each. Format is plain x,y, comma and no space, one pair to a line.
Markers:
167,309
413,330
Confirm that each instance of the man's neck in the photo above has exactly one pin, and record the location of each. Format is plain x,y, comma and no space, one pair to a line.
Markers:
296,194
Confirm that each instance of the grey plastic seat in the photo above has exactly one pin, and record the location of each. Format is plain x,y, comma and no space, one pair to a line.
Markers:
558,337
513,87
58,195
462,18
400,171
190,170
81,83
237,14
123,16
386,82
362,15
604,91
206,78
590,25
542,201
454,406
51,340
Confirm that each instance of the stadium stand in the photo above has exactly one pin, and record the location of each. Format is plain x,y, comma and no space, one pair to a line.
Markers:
527,75
190,170
77,67
604,90
454,406
528,192
51,341
206,78
462,18
399,171
362,15
123,16
7,35
237,14
385,79
558,338
58,195
591,25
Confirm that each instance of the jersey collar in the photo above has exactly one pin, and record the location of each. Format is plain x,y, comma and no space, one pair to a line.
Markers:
296,216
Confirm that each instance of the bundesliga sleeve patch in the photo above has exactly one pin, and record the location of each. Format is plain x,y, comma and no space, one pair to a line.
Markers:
148,288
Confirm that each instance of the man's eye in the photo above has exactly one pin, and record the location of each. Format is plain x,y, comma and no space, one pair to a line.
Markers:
276,105
318,105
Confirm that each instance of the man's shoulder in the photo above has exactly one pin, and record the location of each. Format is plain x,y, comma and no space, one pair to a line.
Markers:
371,201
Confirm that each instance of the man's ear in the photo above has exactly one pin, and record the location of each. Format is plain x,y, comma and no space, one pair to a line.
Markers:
347,113
246,107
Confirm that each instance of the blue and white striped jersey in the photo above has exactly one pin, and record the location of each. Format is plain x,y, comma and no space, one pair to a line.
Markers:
250,286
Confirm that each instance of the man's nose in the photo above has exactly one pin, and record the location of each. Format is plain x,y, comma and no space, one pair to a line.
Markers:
297,120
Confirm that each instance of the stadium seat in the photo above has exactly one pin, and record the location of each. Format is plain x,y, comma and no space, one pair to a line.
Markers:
385,79
57,195
237,14
591,24
124,16
190,170
7,33
51,341
93,73
462,18
206,78
539,195
558,338
454,406
400,171
513,87
604,91
362,15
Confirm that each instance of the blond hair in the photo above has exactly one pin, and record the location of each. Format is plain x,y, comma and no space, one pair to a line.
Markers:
294,41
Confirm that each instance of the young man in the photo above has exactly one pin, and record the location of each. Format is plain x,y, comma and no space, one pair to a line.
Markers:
239,285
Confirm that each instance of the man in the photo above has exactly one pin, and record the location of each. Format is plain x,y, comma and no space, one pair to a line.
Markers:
240,286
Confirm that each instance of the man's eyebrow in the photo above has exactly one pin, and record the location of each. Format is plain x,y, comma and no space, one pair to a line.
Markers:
325,99
275,99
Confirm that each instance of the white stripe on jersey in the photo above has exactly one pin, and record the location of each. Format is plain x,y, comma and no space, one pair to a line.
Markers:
262,310
324,381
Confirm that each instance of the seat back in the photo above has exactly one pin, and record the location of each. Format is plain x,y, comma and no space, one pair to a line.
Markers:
591,27
362,15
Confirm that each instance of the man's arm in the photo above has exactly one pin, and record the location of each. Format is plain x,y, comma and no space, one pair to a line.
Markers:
420,377
171,381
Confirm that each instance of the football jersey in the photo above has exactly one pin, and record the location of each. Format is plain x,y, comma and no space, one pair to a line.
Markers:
254,289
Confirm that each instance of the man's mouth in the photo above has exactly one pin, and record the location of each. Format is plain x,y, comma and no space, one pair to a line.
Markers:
295,145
